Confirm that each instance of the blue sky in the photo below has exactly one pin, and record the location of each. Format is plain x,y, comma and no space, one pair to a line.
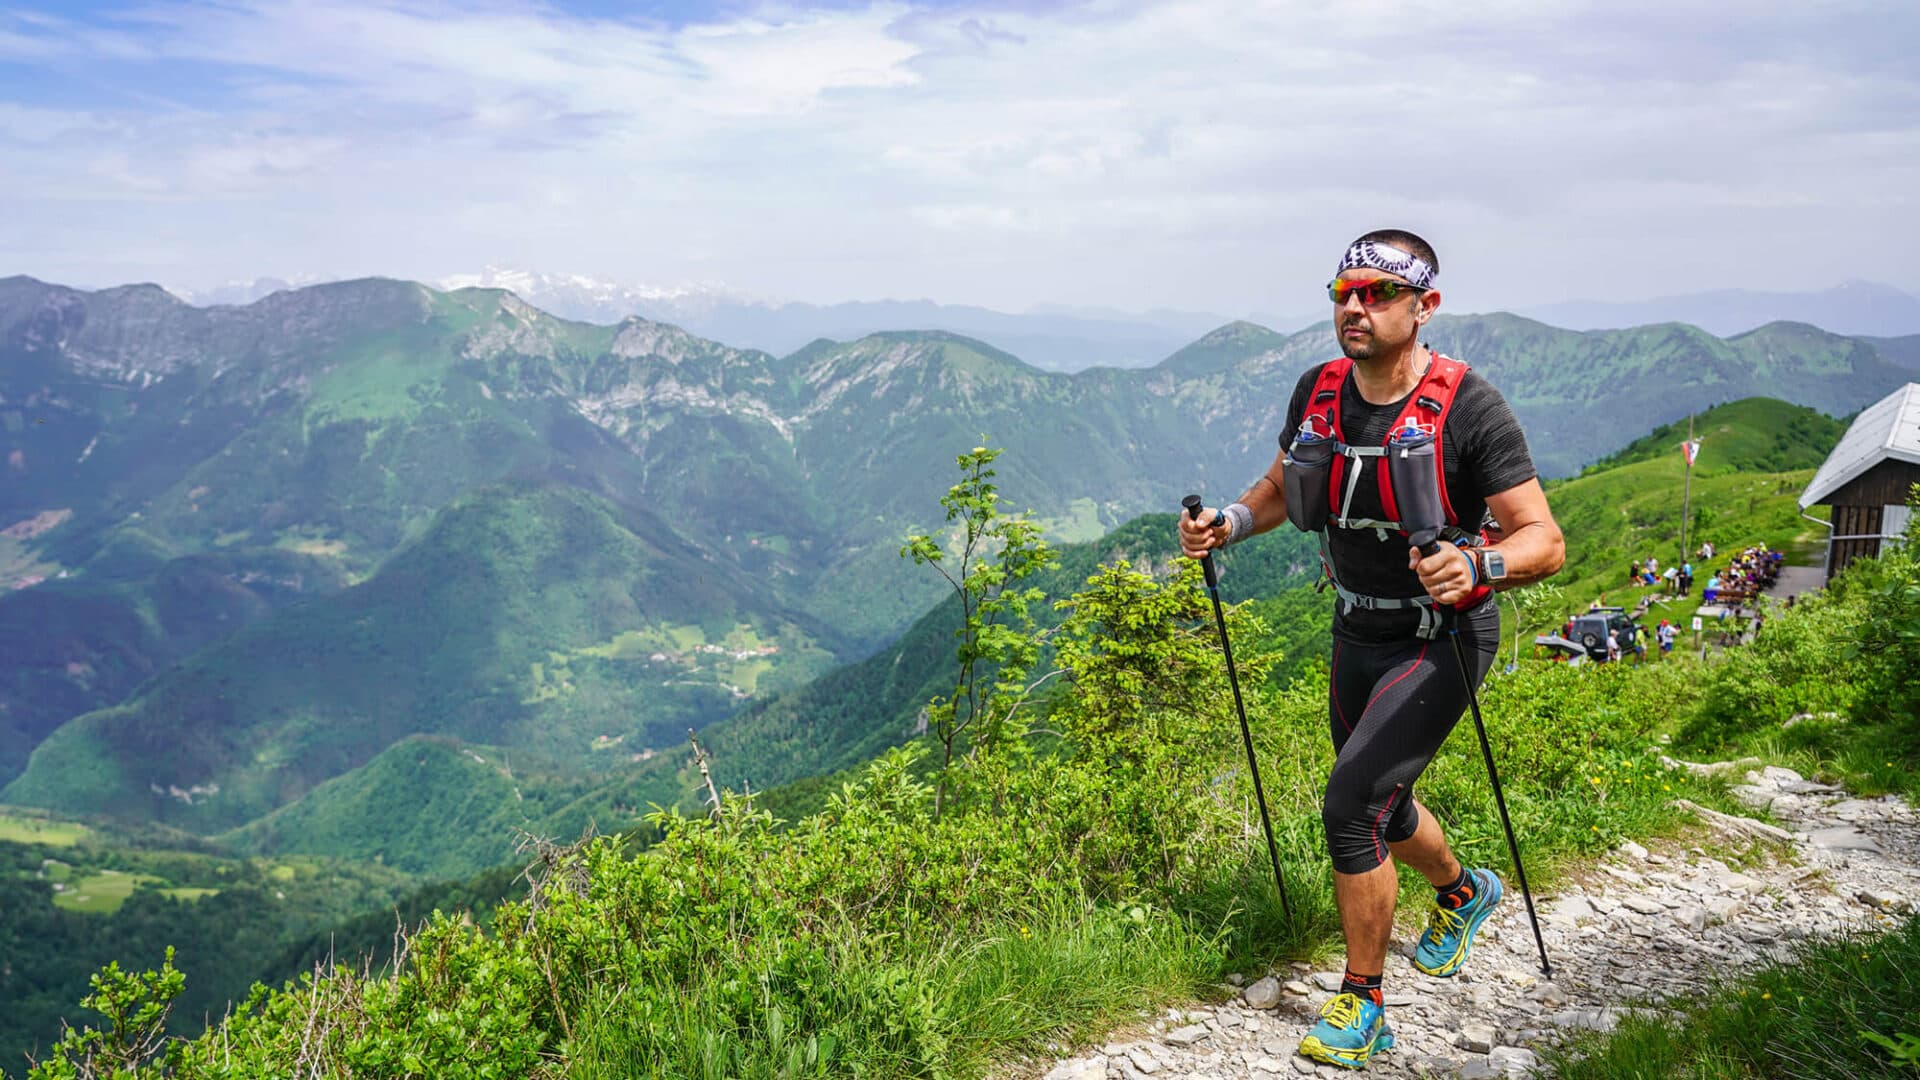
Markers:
1204,154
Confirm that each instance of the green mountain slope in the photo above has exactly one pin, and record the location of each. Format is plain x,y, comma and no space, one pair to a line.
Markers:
1627,509
849,715
74,646
1749,435
306,440
429,806
537,619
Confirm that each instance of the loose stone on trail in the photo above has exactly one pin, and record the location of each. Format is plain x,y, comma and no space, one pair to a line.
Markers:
1264,994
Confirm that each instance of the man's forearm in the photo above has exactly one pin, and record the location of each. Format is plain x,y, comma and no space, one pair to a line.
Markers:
1534,552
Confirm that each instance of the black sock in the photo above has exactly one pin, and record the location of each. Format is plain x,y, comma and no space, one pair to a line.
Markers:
1366,986
1460,893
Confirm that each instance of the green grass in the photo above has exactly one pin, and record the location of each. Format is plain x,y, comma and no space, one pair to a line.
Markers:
1813,1018
100,893
26,829
189,892
1080,523
1065,974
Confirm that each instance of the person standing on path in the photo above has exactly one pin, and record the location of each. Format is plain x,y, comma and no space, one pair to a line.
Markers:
1394,692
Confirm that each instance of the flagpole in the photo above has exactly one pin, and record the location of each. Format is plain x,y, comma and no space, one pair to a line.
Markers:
1686,498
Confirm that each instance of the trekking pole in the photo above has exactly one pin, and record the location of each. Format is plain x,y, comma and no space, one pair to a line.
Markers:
1429,548
1192,503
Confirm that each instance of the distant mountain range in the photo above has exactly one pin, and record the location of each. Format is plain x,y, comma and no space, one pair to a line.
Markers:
1059,338
249,548
1856,307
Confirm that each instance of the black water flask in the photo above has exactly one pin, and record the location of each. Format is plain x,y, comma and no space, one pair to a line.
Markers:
1416,486
1307,463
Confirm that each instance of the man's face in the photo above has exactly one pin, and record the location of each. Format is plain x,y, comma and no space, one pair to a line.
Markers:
1383,327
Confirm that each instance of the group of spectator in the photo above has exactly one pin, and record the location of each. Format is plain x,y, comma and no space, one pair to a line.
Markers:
1679,579
1747,573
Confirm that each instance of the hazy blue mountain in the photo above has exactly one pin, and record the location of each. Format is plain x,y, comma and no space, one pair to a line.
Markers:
1855,307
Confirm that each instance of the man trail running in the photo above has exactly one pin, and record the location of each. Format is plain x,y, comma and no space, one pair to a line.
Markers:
1394,695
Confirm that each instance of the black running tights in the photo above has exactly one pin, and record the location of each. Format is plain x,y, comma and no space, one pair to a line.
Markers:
1391,707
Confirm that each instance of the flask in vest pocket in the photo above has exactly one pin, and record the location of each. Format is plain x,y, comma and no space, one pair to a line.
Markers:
1416,485
1308,462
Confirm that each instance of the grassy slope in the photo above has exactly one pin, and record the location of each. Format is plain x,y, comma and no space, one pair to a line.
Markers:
1628,507
427,805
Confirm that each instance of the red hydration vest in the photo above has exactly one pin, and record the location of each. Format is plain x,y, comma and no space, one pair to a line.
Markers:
1426,409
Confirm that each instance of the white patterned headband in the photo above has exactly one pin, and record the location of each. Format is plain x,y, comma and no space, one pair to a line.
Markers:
1385,257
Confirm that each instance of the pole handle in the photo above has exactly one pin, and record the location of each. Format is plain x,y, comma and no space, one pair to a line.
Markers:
1192,503
1428,541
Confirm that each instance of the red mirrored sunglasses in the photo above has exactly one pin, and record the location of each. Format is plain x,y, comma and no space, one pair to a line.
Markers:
1373,291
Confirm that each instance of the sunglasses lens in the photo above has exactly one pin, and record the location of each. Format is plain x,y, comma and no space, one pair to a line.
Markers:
1372,292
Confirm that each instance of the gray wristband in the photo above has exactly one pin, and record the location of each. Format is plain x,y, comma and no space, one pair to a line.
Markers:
1239,521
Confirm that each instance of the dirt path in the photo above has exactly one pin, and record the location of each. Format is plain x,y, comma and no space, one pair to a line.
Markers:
1636,928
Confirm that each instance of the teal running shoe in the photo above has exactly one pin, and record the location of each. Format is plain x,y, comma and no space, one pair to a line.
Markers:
1351,1030
1449,937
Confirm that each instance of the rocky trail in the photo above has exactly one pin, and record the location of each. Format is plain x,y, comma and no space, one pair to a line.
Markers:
1638,928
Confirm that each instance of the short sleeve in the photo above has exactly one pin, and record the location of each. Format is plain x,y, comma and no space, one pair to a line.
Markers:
1493,450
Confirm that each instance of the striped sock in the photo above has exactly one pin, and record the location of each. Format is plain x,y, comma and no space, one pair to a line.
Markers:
1460,893
1366,986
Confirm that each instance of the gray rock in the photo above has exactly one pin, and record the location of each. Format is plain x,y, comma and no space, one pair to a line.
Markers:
1842,838
1723,908
1643,905
1091,1068
1512,1060
1479,1069
1301,1065
1187,1036
1264,994
1759,798
1807,787
1327,980
1587,1019
1571,910
1628,847
1776,775
1142,1059
1475,1038
1295,986
1264,1063
1883,898
1693,918
1234,978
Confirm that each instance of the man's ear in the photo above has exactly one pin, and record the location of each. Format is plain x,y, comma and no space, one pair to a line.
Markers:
1429,303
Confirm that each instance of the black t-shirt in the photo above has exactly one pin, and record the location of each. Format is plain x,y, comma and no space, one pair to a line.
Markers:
1484,452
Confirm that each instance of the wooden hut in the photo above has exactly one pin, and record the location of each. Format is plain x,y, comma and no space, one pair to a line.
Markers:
1867,477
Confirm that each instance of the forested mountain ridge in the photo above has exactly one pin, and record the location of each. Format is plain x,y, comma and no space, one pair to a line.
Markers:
294,447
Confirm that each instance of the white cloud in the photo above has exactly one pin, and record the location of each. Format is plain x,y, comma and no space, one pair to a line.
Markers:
1201,153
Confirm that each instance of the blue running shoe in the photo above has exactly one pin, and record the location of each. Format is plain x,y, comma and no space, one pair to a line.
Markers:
1351,1030
1449,937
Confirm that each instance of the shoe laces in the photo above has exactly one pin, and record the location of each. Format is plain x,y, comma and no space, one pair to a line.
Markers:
1442,921
1342,1011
